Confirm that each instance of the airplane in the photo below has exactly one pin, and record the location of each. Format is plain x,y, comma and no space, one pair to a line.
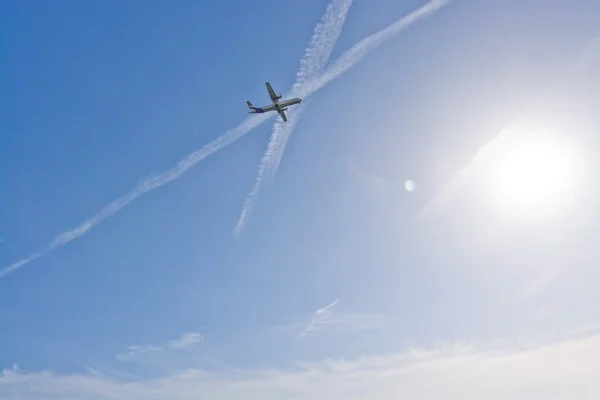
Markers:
279,106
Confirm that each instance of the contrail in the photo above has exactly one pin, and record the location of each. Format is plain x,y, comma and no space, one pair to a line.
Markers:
264,169
313,62
346,61
325,36
282,132
359,50
311,65
146,185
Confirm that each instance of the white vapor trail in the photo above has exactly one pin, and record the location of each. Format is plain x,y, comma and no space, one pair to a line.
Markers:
316,57
305,89
282,132
146,185
362,48
264,169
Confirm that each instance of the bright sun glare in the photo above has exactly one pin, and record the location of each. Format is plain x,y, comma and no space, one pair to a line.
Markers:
534,175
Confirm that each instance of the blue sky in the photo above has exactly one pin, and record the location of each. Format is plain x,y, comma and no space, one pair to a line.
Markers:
338,280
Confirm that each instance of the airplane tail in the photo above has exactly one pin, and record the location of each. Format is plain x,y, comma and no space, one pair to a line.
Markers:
254,110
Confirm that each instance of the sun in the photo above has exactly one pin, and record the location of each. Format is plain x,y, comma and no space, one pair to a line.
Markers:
534,175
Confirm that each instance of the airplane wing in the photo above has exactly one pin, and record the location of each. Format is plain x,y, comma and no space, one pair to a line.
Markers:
272,94
282,114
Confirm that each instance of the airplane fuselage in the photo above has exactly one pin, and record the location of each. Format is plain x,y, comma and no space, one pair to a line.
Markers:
277,106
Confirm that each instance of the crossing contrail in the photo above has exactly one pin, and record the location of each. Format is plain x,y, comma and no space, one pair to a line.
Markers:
345,62
312,65
282,131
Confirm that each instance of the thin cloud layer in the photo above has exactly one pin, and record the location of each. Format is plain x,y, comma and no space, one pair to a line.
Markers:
562,370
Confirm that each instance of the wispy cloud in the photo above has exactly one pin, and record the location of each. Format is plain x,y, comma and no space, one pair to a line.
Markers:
558,370
319,318
187,341
346,61
135,351
313,80
330,319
